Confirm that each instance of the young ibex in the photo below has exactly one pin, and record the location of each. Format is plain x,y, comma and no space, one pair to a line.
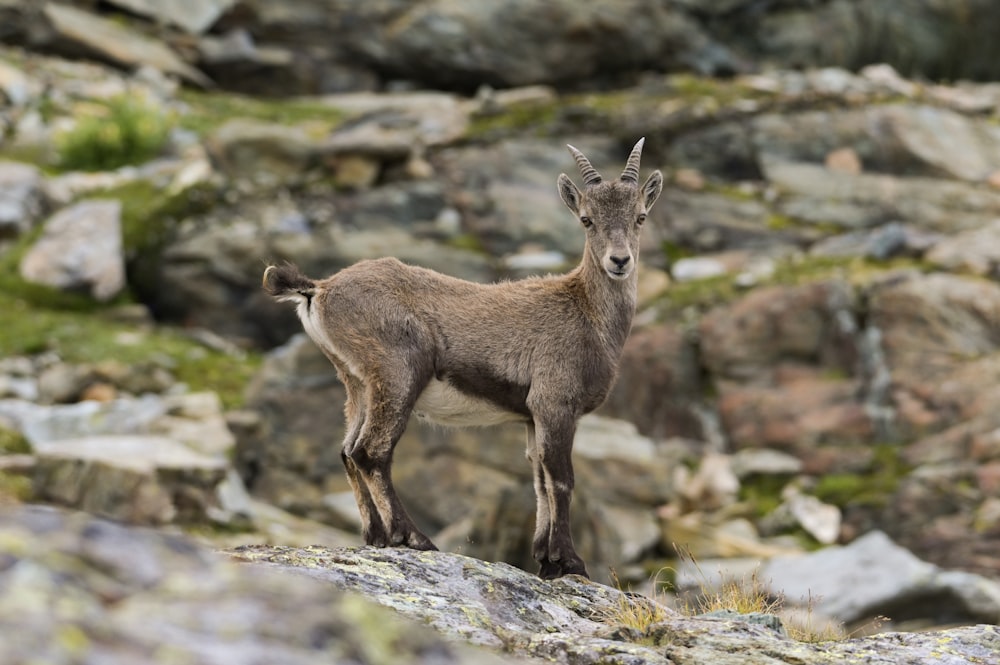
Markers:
542,351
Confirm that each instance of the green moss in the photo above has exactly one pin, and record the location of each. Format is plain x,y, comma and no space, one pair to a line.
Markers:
692,88
12,442
777,222
122,130
207,111
16,486
762,493
468,242
93,337
534,119
871,487
702,293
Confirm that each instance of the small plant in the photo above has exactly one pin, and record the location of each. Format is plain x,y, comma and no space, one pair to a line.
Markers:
634,610
124,130
745,595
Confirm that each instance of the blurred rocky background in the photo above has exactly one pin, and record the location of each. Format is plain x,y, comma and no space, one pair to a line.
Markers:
812,384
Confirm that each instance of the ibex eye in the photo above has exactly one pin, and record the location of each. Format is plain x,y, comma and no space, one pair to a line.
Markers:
586,221
640,219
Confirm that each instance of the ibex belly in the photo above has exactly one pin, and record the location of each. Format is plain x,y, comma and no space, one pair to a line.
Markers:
443,404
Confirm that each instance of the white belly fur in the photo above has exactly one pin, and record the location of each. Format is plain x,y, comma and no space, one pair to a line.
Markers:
442,404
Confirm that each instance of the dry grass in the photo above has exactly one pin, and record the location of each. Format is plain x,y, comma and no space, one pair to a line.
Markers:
745,595
635,610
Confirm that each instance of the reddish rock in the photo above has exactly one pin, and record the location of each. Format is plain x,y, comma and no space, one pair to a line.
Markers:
810,323
659,383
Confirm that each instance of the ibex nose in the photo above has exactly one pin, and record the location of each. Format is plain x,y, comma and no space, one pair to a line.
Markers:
620,261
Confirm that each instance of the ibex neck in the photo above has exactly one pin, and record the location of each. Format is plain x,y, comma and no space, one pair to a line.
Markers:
611,302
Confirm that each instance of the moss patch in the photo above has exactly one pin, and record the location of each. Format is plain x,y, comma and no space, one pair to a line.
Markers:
93,337
872,487
762,493
207,111
122,130
12,442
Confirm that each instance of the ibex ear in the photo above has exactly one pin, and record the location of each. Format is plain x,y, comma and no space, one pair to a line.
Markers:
652,188
569,193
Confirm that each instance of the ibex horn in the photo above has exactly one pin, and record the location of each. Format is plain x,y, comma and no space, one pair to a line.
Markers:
589,173
631,172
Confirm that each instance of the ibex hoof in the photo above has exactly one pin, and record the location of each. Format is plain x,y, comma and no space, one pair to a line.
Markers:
550,570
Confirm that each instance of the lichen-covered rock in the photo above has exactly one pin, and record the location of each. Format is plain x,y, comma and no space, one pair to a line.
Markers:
75,589
575,621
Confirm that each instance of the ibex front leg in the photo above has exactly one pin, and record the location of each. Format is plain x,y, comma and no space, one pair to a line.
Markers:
552,465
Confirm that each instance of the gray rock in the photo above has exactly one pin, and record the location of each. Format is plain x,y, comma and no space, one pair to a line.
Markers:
575,621
874,576
976,251
22,198
134,595
815,194
947,143
80,250
17,88
508,188
194,16
880,243
194,420
764,462
420,42
266,154
134,478
117,43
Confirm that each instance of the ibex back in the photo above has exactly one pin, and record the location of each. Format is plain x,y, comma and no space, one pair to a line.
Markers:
543,351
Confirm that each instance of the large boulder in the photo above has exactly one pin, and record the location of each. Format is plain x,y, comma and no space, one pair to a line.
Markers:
576,621
873,576
149,460
80,250
136,595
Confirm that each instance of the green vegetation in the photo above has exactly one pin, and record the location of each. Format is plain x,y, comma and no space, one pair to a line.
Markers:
12,442
40,318
120,131
762,493
710,292
536,119
31,329
744,595
872,487
206,111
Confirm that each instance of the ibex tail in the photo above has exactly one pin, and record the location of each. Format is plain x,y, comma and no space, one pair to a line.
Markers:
287,282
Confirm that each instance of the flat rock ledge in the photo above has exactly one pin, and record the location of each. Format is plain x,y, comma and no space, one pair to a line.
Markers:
572,620
79,589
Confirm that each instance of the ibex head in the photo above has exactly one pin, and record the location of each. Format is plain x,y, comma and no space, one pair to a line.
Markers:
612,212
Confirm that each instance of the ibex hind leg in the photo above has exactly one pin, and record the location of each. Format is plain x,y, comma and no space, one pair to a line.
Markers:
386,414
373,530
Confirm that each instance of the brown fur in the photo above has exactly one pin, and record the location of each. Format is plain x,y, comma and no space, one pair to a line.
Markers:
543,351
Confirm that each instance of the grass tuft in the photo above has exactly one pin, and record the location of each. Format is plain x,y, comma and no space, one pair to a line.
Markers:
121,131
744,595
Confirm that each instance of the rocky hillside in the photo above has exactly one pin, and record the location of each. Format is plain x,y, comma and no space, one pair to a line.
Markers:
810,373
